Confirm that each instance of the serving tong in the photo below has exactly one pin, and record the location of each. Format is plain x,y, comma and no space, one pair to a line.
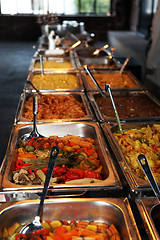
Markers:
107,88
94,80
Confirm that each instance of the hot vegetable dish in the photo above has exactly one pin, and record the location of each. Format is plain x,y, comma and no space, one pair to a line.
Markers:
65,230
145,140
77,160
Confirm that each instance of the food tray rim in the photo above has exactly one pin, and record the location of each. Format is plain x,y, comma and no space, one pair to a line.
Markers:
144,208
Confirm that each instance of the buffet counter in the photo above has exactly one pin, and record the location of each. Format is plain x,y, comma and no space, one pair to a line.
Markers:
93,179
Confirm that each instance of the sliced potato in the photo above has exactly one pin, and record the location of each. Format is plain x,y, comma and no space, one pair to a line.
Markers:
13,228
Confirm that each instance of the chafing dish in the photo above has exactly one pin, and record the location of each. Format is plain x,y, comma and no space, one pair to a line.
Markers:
78,96
65,86
98,63
108,210
151,224
53,63
117,82
84,129
130,105
86,52
137,184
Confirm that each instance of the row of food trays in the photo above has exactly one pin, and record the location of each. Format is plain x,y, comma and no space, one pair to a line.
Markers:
73,115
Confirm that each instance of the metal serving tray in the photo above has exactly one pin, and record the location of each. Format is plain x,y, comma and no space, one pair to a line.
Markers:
131,83
80,87
108,210
58,59
140,111
98,63
145,206
83,129
137,185
79,96
86,52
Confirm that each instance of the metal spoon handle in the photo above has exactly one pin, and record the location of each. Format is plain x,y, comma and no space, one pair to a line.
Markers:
146,168
29,82
41,63
94,80
52,161
35,111
107,87
73,46
123,66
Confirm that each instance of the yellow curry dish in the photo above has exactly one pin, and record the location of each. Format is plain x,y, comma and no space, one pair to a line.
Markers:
55,81
57,63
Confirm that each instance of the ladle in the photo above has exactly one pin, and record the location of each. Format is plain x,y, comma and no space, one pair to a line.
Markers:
34,132
155,210
94,80
35,225
107,87
123,66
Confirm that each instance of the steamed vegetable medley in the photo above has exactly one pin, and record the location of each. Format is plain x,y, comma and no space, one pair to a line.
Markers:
77,160
145,140
64,230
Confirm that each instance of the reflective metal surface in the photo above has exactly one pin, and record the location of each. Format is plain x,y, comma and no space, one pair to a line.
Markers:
98,63
145,206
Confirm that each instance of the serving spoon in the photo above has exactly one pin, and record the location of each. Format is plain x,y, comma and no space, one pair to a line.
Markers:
94,80
34,132
155,210
146,168
107,88
35,225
